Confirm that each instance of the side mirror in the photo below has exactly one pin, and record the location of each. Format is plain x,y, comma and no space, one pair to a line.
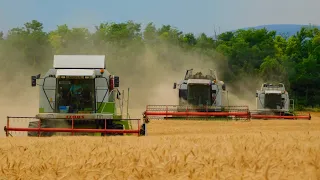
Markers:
174,85
33,81
224,87
116,81
256,94
118,94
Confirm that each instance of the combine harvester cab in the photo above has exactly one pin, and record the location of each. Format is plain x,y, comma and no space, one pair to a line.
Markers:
78,96
200,98
272,102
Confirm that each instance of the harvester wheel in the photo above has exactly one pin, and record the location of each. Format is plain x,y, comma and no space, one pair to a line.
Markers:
143,130
114,126
35,124
118,126
288,114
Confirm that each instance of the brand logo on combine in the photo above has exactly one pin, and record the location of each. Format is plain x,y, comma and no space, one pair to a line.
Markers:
75,117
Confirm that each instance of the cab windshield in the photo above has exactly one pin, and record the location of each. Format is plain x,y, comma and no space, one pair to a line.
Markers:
199,95
273,101
75,96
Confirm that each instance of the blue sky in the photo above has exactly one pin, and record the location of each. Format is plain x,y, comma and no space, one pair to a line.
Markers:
188,15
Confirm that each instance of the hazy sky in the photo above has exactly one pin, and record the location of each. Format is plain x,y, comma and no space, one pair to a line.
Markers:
188,15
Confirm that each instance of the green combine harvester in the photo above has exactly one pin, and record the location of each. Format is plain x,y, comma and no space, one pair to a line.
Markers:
78,96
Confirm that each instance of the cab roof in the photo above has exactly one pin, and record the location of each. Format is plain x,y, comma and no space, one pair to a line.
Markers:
79,62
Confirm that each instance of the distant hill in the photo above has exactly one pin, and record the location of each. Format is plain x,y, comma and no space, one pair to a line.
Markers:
288,29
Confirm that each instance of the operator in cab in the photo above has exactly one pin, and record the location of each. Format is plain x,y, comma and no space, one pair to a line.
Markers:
75,88
75,91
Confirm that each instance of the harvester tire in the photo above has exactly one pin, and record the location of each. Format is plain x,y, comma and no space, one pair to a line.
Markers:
143,130
35,124
115,126
118,126
288,114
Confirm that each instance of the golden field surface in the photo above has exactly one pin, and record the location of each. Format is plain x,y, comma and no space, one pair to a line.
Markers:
272,149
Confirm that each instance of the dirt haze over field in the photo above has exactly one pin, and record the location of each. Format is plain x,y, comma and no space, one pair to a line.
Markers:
149,76
151,81
17,97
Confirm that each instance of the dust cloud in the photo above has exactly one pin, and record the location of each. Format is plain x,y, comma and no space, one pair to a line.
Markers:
151,81
243,91
149,73
17,97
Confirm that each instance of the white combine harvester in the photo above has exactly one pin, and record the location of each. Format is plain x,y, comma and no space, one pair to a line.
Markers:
77,96
200,97
273,102
201,90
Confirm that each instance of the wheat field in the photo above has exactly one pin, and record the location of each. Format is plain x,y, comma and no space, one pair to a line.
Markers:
173,150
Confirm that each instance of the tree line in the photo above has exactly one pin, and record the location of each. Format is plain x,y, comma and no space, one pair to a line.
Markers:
243,55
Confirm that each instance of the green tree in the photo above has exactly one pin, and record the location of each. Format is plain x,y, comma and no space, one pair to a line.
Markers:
273,71
150,33
32,41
